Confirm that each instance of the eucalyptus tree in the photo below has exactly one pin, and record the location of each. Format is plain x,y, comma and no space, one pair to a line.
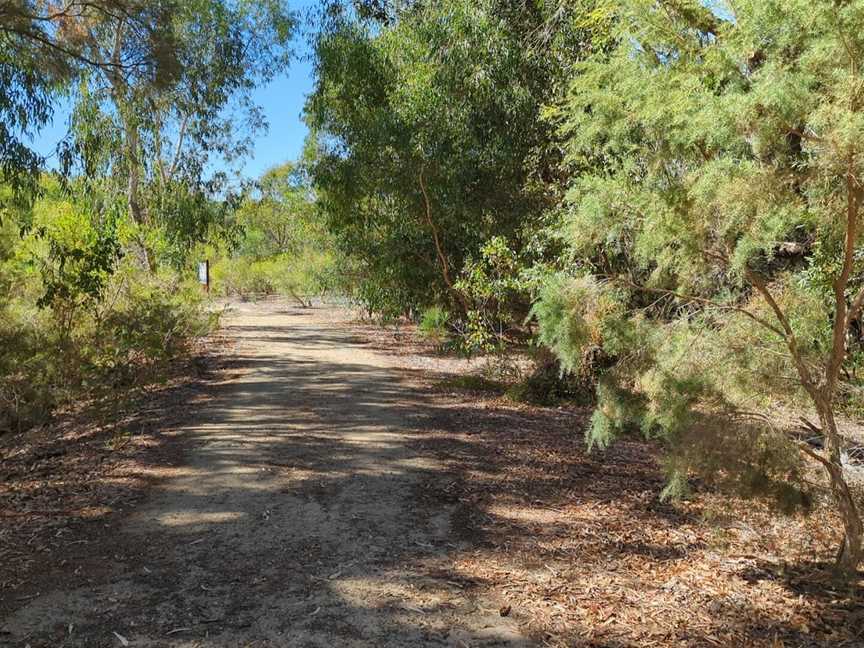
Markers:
279,215
716,208
39,57
428,120
170,93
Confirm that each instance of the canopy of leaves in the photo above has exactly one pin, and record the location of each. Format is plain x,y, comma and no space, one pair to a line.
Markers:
168,101
429,123
712,152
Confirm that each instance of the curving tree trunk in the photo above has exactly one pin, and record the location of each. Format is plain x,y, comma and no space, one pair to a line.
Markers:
851,549
439,248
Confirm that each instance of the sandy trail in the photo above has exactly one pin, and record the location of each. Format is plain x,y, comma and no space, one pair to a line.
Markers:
297,518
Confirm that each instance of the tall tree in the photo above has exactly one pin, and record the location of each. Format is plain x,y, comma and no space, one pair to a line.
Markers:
279,216
427,115
716,206
174,79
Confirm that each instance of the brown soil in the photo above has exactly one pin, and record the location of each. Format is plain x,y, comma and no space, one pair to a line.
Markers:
317,489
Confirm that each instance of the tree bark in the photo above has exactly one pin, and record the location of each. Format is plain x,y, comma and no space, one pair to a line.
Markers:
850,554
121,95
439,249
133,193
823,396
851,550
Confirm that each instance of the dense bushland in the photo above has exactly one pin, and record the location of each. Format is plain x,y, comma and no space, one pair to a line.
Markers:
660,200
668,191
97,257
79,326
430,143
716,211
281,246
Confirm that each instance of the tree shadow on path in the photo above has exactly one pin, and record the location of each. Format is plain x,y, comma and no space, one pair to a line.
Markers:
323,500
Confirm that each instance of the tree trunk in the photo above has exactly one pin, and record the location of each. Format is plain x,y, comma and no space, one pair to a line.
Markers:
133,193
148,259
850,554
851,550
823,391
122,97
439,248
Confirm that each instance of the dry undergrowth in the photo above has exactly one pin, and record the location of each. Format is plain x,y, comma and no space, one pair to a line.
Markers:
68,479
585,554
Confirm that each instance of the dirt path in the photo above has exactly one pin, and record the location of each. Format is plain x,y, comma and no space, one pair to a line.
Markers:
296,519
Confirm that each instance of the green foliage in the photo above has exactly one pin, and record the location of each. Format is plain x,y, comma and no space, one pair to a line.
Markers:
497,293
77,272
710,152
434,324
50,361
430,140
161,92
77,324
284,248
299,277
25,105
151,322
36,61
149,135
578,316
280,217
246,278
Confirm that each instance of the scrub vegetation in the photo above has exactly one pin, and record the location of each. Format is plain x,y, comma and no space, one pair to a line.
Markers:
651,209
660,200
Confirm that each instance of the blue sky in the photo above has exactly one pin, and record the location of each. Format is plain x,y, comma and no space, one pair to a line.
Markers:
282,101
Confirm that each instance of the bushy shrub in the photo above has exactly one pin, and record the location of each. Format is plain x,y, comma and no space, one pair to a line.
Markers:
152,322
578,318
29,375
433,324
494,287
126,339
301,276
692,383
244,277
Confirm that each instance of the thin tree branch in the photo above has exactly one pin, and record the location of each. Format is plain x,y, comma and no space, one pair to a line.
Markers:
810,452
791,339
178,149
442,258
703,300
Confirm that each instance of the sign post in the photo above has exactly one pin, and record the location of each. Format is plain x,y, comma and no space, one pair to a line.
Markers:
204,274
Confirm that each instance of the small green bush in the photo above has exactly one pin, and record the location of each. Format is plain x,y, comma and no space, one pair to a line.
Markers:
153,322
433,324
299,276
27,374
244,277
49,359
